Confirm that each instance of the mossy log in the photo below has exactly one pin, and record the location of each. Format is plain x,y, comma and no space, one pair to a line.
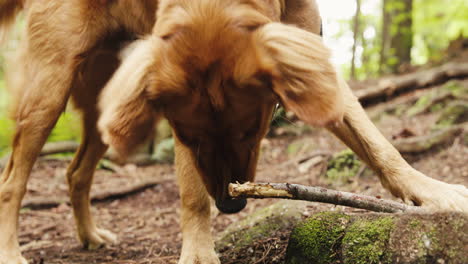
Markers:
333,237
424,143
266,228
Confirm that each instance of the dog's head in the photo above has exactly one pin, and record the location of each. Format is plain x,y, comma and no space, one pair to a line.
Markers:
215,70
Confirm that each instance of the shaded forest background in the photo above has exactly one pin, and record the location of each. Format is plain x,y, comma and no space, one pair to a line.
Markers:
403,35
390,37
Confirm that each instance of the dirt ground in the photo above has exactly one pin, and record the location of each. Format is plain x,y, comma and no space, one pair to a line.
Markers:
147,223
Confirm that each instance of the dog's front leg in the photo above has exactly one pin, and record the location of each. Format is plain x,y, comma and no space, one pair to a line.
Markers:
360,134
198,245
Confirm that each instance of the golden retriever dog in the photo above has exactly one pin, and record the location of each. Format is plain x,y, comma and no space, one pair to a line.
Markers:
215,69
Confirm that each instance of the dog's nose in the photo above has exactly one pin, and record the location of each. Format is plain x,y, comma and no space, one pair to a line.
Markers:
231,206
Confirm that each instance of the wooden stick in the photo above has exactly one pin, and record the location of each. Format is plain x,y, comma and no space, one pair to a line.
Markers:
317,194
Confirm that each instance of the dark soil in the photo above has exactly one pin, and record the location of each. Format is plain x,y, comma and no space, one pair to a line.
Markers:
147,223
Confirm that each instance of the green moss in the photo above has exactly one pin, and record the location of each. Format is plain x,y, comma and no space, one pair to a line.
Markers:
415,223
432,240
437,107
455,88
263,223
415,232
437,99
293,148
399,110
302,145
318,239
342,167
456,112
458,225
259,230
380,238
366,241
422,103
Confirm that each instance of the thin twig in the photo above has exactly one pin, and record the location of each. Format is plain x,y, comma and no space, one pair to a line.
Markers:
304,158
317,194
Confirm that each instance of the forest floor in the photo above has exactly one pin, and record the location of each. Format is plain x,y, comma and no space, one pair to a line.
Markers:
147,223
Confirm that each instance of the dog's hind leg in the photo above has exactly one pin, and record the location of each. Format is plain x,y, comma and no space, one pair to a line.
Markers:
198,245
46,93
80,176
403,181
37,113
49,61
99,66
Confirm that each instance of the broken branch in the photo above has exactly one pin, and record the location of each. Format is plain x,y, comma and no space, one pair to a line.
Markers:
101,196
52,148
391,86
317,194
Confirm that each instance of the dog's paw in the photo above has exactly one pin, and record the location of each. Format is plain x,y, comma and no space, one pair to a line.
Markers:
97,239
12,259
435,195
199,258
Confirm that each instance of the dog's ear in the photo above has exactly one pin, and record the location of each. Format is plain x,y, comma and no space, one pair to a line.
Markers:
298,65
127,116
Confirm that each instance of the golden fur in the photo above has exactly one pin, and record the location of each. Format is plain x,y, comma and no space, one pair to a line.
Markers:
213,68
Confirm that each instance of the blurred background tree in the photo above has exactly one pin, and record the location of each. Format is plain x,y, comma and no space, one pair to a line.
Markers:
397,35
369,38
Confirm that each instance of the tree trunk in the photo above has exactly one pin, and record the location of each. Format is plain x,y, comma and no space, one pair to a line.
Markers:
356,30
385,37
402,40
366,54
396,31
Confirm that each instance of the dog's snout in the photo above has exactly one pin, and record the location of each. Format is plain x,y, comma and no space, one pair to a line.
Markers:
225,203
231,206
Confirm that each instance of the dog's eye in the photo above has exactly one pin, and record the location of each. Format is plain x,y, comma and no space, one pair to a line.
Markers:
250,23
167,36
173,32
251,28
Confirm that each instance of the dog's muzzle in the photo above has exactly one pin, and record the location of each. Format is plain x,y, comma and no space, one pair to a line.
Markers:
231,206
